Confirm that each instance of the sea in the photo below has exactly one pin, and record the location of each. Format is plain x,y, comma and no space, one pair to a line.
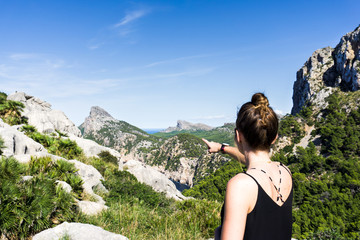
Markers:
153,130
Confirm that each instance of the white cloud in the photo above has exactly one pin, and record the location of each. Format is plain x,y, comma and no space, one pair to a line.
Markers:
93,46
130,17
23,56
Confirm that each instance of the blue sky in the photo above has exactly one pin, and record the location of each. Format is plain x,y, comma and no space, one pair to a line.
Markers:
151,63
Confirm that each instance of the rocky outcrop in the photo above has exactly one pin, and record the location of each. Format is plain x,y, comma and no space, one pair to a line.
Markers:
17,143
184,125
92,179
91,148
150,176
77,231
326,69
347,60
40,115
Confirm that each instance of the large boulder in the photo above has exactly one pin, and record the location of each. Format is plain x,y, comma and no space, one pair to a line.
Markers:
91,177
17,143
150,176
77,231
40,115
91,148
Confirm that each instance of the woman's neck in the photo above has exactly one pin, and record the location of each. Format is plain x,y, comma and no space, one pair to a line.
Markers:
255,158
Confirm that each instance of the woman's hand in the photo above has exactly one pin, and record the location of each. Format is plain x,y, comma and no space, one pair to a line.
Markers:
213,147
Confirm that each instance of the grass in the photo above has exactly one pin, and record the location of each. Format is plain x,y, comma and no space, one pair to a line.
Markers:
192,219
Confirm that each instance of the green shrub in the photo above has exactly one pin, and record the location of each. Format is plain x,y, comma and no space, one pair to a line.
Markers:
213,187
107,157
57,170
28,207
122,184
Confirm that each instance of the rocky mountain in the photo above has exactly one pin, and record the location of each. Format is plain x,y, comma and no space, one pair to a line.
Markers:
108,131
327,69
184,125
182,158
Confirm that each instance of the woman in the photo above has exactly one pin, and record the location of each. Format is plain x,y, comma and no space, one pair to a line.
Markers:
258,203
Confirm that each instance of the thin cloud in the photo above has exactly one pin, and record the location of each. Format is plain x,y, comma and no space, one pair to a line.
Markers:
23,56
93,46
130,17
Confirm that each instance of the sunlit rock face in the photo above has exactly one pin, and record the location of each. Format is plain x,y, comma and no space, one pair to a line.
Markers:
326,69
41,116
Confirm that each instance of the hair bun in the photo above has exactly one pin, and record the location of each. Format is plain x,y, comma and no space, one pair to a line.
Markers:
259,100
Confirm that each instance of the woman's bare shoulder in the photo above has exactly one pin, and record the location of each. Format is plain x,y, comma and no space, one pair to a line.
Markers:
241,181
241,191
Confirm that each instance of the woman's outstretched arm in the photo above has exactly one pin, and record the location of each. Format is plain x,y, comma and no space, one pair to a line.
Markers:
234,152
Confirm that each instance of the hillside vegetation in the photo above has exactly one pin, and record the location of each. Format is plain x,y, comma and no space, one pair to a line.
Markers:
223,134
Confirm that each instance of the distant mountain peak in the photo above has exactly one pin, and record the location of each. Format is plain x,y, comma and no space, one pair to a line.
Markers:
184,125
97,111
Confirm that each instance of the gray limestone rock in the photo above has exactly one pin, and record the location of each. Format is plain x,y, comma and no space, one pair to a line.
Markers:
40,115
326,69
91,208
64,186
91,177
347,57
77,231
17,143
91,148
150,176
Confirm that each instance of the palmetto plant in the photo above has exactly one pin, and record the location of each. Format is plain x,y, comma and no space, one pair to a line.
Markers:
10,111
3,97
28,207
28,129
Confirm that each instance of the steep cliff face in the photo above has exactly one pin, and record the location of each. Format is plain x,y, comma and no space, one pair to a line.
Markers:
326,69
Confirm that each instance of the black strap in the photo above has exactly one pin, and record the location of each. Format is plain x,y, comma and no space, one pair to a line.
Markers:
252,178
287,169
279,195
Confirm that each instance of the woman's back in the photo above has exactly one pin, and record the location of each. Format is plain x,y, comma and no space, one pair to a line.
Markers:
270,216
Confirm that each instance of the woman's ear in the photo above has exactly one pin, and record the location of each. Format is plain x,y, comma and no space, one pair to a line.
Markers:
275,139
238,136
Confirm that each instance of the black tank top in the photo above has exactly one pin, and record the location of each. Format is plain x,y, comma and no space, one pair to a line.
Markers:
268,220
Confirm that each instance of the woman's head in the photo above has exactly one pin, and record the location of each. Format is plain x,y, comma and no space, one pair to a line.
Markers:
257,122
